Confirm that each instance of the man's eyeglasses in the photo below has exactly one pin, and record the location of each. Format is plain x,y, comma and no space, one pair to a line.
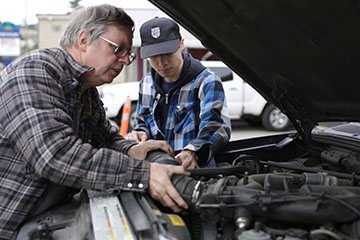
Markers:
119,51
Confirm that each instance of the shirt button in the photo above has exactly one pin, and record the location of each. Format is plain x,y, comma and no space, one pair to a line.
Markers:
129,185
141,185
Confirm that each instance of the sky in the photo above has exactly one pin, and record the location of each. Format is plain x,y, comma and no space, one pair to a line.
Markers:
17,11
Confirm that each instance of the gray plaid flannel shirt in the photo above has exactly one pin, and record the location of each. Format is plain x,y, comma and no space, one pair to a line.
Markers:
38,144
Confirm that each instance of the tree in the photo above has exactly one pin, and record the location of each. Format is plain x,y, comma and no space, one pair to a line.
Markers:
75,3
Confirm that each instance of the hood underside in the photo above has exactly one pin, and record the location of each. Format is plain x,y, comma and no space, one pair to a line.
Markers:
302,56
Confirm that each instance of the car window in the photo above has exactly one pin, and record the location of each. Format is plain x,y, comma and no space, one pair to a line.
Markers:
225,73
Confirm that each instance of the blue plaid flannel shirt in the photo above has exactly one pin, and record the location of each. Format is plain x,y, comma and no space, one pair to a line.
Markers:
197,115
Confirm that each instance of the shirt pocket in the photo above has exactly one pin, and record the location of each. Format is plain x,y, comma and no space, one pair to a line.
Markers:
184,118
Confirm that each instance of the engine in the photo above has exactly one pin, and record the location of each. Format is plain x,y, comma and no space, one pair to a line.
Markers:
270,188
252,199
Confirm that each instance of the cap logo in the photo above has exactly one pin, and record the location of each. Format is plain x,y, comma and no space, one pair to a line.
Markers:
155,32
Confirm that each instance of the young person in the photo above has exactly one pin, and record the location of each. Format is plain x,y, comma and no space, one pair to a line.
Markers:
180,101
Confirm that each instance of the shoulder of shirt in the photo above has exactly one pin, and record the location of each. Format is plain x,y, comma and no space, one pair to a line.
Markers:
44,53
147,78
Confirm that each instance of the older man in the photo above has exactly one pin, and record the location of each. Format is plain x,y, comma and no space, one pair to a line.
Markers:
54,136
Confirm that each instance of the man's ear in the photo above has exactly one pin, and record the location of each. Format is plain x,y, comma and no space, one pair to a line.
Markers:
83,40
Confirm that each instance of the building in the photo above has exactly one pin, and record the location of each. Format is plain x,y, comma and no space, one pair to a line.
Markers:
51,27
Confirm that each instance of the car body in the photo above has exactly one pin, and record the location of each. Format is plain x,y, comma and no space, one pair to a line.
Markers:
302,56
114,98
243,101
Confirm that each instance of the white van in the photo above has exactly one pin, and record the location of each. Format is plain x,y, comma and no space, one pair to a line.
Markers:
243,101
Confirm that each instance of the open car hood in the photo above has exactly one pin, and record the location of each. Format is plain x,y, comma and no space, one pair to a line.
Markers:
302,56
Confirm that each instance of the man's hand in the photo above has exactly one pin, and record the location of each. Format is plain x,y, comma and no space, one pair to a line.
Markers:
187,159
138,136
161,188
140,150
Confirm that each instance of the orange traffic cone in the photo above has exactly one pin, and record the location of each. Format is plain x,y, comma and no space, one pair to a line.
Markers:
125,117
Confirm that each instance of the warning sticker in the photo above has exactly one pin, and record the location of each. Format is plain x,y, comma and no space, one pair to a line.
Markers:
157,212
176,220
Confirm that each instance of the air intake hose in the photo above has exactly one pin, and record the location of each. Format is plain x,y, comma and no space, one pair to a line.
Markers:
188,188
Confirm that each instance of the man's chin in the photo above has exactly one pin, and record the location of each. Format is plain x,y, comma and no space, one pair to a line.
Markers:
110,81
111,77
107,80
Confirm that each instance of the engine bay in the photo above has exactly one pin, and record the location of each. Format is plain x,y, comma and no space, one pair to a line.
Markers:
308,196
271,187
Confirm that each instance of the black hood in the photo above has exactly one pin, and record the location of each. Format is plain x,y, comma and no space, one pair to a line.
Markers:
302,56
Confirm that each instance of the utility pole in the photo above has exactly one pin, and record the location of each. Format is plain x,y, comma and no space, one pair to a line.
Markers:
26,12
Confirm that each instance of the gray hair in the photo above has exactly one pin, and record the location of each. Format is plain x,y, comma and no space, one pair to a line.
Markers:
94,20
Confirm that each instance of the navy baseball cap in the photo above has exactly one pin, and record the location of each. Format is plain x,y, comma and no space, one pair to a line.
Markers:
159,36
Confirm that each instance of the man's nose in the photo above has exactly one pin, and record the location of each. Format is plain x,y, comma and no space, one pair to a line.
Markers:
162,60
124,60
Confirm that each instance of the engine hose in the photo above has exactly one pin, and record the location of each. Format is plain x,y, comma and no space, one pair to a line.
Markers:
246,157
159,156
325,232
308,169
209,172
162,157
187,187
196,224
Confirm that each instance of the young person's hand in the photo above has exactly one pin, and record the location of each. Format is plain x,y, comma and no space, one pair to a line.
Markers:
187,159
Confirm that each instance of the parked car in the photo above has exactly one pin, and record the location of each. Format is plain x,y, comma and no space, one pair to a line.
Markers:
114,97
243,101
302,56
